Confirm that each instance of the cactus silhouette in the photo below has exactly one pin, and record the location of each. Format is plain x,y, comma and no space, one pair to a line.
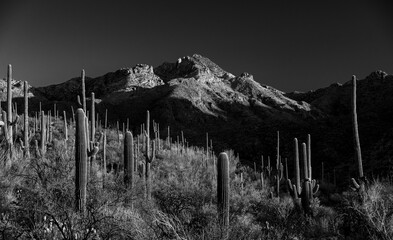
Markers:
223,192
306,191
149,157
9,106
80,161
104,160
83,91
295,189
65,127
129,160
43,134
279,167
92,119
26,121
360,185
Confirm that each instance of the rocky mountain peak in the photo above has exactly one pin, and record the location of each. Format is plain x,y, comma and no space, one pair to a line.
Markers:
142,75
377,75
197,67
246,75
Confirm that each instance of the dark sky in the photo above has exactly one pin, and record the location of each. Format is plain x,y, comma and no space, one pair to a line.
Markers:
290,45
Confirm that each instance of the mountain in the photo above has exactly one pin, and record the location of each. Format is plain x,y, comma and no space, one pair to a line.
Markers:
195,95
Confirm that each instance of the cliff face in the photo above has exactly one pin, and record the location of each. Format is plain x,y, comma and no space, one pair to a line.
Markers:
196,96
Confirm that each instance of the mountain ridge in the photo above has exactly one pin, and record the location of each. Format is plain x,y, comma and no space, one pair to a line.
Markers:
195,95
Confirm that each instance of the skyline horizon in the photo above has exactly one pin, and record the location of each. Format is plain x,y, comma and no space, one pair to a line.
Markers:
111,71
291,46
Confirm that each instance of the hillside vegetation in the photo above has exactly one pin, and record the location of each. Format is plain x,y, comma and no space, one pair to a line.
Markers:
38,197
76,178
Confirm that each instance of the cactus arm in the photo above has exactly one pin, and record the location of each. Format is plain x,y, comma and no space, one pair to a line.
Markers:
315,189
355,184
290,186
93,152
13,123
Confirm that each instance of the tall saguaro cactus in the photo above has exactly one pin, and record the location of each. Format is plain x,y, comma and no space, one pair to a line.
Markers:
83,91
207,147
359,186
80,162
355,129
223,192
9,105
129,160
149,156
43,134
279,167
5,130
104,160
296,189
65,126
92,119
309,156
306,191
26,121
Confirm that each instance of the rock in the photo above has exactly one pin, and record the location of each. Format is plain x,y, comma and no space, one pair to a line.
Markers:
377,75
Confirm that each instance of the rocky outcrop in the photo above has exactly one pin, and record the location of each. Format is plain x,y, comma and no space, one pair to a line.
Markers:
17,89
197,67
124,80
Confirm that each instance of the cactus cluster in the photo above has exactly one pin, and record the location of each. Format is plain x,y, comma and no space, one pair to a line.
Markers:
303,192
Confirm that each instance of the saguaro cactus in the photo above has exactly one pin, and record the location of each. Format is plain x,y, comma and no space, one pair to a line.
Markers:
49,125
80,161
104,160
43,133
65,126
9,106
279,167
359,186
268,167
83,91
309,187
306,191
279,175
26,121
207,147
5,130
92,119
296,189
309,156
168,139
129,160
223,192
149,156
